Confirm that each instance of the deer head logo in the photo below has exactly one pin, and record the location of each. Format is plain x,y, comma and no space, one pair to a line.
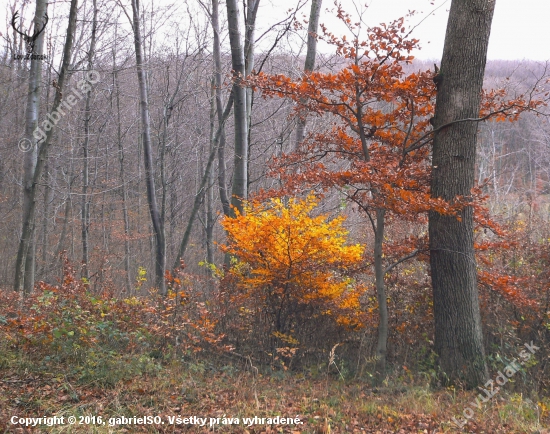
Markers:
29,39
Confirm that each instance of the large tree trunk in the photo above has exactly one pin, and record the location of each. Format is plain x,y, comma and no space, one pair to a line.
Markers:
458,335
25,241
314,15
30,158
158,228
240,178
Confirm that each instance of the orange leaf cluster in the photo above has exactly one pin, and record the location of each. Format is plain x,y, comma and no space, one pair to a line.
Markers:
376,151
287,257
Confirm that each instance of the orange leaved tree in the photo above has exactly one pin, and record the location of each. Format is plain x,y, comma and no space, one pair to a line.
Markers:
293,265
375,152
371,153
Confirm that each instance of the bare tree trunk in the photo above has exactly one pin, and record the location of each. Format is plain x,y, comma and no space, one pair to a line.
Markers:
379,273
458,334
124,194
382,344
158,228
30,158
222,182
85,211
250,26
30,261
43,153
67,212
48,197
309,65
167,115
249,45
202,188
209,210
240,179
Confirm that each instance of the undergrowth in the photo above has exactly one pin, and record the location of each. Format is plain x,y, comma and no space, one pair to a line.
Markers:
68,351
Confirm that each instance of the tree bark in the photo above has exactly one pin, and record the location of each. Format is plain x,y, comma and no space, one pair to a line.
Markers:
378,227
158,228
203,185
209,219
48,198
382,343
222,183
85,211
249,46
458,334
26,235
30,158
67,202
309,65
123,190
240,179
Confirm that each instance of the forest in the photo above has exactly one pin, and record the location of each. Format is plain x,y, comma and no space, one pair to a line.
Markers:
210,223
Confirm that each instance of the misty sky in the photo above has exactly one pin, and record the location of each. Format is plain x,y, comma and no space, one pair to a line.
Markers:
521,28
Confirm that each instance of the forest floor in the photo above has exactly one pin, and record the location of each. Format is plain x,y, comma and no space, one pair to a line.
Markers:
183,395
89,363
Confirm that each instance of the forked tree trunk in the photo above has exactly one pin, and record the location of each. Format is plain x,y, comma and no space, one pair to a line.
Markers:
458,334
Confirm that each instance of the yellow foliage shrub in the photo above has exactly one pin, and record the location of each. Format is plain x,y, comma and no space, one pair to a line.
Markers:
296,265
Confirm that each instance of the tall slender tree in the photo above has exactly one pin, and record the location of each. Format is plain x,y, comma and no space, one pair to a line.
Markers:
158,227
240,178
85,212
222,183
30,158
26,235
314,16
249,45
458,334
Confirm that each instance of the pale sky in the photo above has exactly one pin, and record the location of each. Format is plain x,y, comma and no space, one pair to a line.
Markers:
520,30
